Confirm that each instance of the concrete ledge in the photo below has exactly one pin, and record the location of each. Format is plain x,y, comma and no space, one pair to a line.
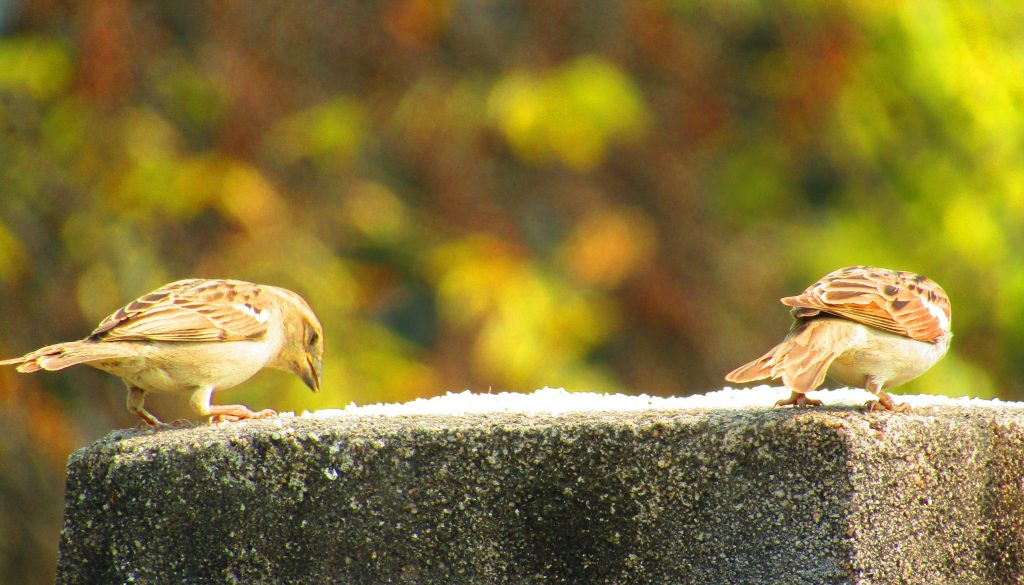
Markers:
651,493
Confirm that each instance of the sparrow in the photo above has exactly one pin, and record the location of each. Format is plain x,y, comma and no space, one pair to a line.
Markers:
866,327
195,337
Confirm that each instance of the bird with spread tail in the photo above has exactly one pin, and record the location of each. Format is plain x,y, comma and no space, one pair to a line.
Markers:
866,327
195,337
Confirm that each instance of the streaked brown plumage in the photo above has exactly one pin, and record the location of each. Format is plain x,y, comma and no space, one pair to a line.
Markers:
867,327
196,336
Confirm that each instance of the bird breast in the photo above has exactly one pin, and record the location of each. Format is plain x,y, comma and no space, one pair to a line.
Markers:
896,359
183,366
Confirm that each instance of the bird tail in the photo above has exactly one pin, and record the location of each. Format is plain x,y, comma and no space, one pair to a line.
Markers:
758,369
801,360
62,355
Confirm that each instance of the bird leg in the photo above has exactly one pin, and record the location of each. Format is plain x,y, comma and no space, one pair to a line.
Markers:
200,401
884,402
136,398
799,400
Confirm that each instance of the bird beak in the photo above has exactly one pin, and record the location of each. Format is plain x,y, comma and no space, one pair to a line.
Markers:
312,372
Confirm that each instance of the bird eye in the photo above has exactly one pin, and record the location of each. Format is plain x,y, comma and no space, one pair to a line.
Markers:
313,338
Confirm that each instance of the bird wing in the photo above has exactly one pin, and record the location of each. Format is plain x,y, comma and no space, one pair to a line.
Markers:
191,310
899,302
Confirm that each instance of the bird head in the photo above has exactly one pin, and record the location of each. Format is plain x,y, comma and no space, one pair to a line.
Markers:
302,350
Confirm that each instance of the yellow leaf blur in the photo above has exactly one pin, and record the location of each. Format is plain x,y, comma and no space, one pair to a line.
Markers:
607,246
573,114
38,65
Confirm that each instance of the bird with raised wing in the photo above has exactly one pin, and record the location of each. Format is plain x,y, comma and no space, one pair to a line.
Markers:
866,327
195,337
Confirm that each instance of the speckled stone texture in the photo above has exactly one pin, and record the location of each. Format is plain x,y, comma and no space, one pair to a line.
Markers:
690,496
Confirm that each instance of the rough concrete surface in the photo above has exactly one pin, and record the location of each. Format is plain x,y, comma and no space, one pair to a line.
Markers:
755,495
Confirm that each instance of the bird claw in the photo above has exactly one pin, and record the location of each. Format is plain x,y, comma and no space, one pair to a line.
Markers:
147,425
798,400
235,414
885,402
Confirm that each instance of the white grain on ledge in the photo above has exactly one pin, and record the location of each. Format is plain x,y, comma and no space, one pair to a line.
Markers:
559,401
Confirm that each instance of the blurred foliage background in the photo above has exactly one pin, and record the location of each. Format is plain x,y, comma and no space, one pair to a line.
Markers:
490,194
